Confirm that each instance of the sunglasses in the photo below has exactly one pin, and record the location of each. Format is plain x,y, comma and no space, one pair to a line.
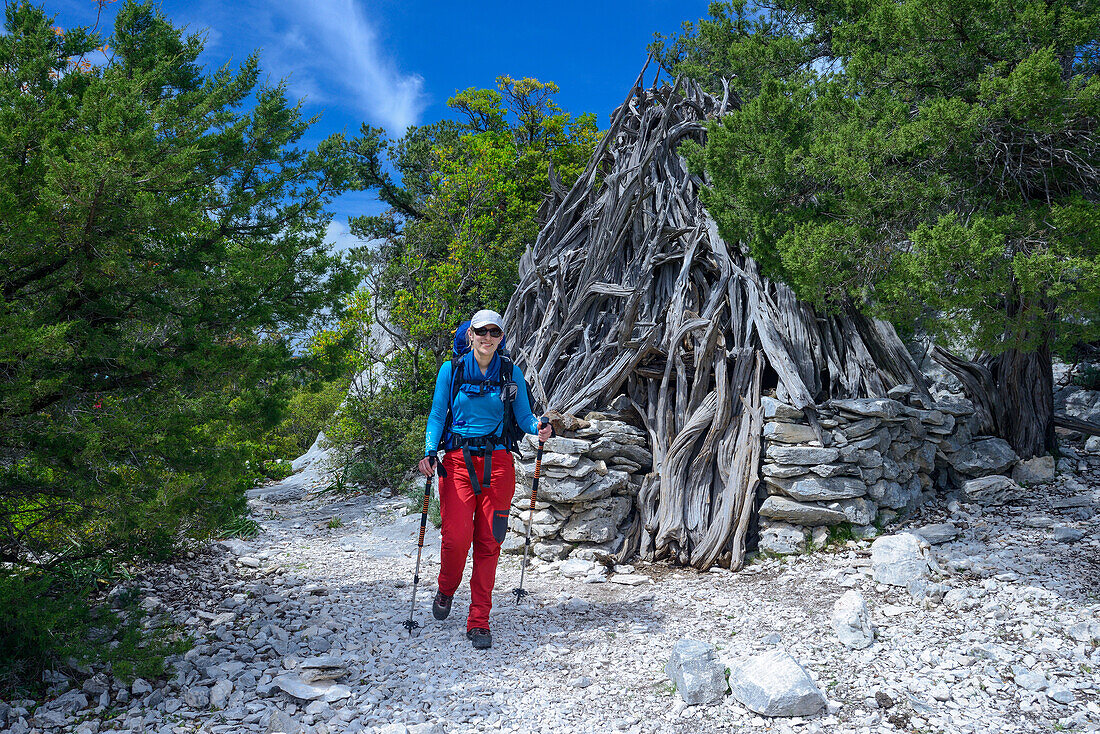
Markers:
492,331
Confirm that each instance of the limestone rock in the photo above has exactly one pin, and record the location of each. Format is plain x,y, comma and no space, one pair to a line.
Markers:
599,553
782,539
629,579
550,550
954,405
281,723
571,490
819,489
835,470
808,455
889,493
992,490
219,693
576,568
789,432
783,471
775,684
778,410
696,672
871,407
900,392
983,457
298,688
1039,470
858,511
325,667
598,524
68,703
861,428
197,697
852,621
898,559
1079,402
559,445
937,533
567,461
1065,534
800,513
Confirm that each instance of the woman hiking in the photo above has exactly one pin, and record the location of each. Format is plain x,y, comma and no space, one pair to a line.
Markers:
473,394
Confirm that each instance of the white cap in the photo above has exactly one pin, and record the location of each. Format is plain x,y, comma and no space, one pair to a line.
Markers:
484,317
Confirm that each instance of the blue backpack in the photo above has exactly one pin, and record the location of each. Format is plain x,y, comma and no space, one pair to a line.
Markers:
511,433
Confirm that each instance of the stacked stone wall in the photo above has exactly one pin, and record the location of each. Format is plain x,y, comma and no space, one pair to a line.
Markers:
873,460
880,457
590,476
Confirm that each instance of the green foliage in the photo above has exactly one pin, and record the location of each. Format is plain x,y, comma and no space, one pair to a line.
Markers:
334,523
239,527
463,207
1088,377
310,407
928,161
840,534
163,234
466,207
47,621
379,433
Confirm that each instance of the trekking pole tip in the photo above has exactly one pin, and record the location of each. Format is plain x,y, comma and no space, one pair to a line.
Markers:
411,625
520,593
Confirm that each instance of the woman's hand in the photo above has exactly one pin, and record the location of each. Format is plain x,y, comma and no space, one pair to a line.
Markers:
545,429
427,465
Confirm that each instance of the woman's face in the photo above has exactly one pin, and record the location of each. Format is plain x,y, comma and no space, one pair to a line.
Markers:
486,344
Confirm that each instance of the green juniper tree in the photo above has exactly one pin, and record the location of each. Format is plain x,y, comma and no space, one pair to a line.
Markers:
932,162
161,236
464,198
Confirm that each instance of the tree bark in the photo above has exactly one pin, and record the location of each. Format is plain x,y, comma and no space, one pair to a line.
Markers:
1013,393
1025,383
629,290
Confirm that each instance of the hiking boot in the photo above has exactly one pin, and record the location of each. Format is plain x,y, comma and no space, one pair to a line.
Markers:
480,637
441,606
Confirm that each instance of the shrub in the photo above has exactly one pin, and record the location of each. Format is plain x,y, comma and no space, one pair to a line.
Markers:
50,621
378,434
1088,377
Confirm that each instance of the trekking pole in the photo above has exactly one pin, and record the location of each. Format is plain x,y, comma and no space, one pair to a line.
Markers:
519,591
411,624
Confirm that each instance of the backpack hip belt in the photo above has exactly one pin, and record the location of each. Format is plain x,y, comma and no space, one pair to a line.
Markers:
479,446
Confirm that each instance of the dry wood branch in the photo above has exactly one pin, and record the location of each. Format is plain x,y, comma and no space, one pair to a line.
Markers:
629,290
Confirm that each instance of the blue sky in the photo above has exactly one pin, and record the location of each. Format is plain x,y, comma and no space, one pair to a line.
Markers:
393,63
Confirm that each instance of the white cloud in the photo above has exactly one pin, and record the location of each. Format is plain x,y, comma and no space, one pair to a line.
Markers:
332,53
339,237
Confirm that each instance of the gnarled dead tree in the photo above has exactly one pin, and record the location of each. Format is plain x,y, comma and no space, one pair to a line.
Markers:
630,291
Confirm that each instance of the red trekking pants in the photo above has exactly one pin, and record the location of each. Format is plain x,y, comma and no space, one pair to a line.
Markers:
480,519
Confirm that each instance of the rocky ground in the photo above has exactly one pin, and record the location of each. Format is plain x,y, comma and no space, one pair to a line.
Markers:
300,629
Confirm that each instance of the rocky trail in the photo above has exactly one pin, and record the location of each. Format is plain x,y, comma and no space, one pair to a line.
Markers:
299,630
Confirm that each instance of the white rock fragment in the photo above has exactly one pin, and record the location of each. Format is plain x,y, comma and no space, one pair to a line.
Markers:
898,559
775,684
852,621
629,579
696,672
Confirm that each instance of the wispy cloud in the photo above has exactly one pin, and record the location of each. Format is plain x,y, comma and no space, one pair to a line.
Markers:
340,238
332,53
329,51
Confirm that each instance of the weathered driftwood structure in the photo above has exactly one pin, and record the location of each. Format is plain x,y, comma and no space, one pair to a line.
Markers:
630,294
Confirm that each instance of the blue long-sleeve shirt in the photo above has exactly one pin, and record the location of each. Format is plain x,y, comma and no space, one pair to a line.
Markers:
478,409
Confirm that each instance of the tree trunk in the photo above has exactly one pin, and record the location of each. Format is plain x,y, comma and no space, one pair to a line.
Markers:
1025,382
630,295
1013,393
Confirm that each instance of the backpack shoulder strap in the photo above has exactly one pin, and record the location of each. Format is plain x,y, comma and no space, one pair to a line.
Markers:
505,370
458,376
456,383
